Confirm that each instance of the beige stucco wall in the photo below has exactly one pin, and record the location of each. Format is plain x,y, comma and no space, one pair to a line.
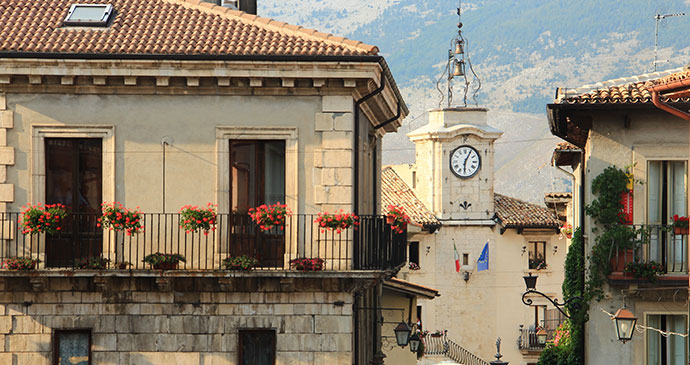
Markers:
141,121
650,135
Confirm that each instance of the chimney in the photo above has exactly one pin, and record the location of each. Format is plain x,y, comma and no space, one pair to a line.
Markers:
248,6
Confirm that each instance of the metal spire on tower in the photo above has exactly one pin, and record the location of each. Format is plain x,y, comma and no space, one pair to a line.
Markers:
456,66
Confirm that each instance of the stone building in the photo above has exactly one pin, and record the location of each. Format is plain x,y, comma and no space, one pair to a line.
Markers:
616,123
157,104
452,201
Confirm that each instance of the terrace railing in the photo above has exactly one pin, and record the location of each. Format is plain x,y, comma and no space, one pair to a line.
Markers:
656,243
371,245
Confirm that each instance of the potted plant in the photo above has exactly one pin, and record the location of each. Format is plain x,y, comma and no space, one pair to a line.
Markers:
397,218
680,224
644,270
93,263
193,218
164,261
307,264
243,262
123,265
42,218
336,222
20,263
269,216
118,218
414,267
567,230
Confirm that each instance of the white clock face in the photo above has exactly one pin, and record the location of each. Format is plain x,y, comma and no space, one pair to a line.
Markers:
465,161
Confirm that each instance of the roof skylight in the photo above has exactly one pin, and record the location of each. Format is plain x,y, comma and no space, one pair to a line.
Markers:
94,15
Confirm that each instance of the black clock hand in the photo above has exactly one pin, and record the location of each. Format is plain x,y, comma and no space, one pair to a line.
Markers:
464,164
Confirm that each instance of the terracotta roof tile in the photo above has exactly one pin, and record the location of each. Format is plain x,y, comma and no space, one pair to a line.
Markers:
627,90
559,195
394,191
150,27
517,213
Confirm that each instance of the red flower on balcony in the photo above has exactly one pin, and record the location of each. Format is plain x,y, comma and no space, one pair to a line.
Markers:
680,224
42,218
269,216
336,222
397,218
118,218
307,264
193,218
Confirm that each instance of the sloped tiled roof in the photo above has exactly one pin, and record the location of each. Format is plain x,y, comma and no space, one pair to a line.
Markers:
559,195
517,213
626,90
162,27
394,191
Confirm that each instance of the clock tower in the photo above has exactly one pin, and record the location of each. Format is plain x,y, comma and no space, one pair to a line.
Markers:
455,165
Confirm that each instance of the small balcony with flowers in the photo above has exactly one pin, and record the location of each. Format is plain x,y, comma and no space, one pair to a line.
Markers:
649,255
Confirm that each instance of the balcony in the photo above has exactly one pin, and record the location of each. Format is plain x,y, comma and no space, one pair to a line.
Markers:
528,342
370,246
652,243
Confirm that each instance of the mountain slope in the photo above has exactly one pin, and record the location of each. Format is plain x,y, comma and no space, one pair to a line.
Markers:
521,50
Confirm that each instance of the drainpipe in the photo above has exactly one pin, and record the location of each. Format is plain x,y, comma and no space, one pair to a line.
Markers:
656,99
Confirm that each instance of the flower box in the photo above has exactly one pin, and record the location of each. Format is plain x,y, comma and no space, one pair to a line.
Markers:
42,218
397,219
194,219
164,261
680,224
269,216
336,222
243,262
307,264
118,218
644,270
621,259
93,263
20,263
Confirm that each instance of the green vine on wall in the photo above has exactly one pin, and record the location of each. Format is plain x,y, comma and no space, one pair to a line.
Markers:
612,235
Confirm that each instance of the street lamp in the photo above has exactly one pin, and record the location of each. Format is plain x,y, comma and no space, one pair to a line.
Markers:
625,324
572,304
402,334
541,337
415,341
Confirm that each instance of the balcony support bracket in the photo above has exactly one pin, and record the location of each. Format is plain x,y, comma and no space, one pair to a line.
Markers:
38,283
164,284
226,284
287,284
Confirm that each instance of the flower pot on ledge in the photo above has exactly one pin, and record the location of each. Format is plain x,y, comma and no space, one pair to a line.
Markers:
167,266
680,230
619,260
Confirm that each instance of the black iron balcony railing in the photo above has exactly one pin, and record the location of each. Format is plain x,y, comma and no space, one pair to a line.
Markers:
652,243
529,341
371,245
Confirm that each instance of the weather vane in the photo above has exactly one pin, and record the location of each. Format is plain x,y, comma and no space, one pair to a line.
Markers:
456,65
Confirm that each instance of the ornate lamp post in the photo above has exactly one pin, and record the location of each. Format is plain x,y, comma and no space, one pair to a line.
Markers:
571,304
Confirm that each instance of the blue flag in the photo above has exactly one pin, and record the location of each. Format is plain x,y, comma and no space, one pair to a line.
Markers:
483,262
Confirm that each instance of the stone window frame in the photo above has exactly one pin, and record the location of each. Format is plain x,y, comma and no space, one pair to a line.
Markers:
224,134
38,167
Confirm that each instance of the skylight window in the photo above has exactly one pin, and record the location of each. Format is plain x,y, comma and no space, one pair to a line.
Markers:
93,15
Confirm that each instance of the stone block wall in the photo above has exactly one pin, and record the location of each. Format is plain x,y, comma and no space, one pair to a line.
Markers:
6,154
133,322
333,161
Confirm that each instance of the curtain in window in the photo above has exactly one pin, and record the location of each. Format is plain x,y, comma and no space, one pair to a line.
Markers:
670,350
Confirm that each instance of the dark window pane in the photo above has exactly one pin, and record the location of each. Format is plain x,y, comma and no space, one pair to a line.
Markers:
257,347
414,252
257,174
73,347
537,255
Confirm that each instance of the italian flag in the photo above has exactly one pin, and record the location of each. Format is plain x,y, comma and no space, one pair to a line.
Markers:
457,258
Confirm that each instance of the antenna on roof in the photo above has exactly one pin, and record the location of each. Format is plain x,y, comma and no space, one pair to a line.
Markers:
458,59
658,18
